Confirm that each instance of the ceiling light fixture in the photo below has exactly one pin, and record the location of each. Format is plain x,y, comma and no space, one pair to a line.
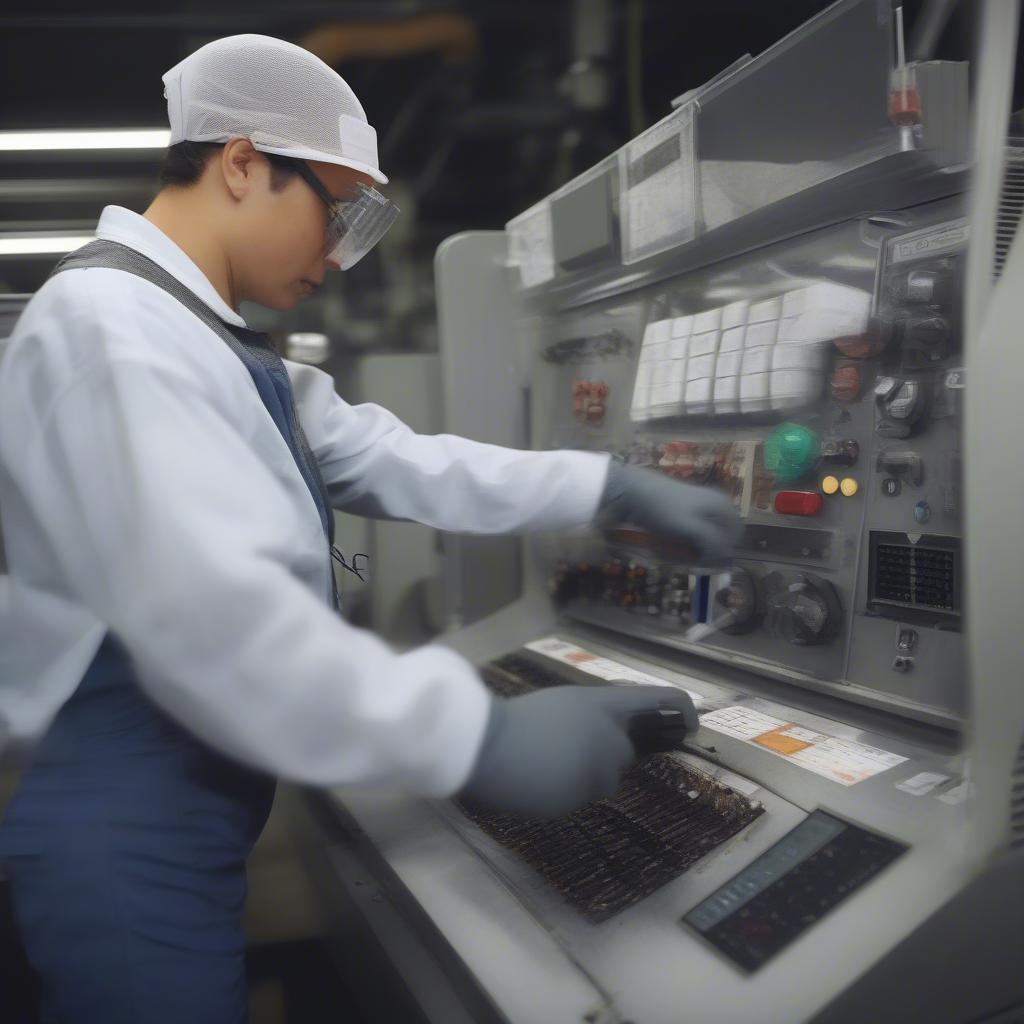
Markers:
93,138
41,245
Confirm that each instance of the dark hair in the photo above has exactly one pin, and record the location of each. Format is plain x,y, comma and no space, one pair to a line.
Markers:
185,162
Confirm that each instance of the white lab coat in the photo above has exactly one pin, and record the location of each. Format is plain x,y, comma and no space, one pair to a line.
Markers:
144,488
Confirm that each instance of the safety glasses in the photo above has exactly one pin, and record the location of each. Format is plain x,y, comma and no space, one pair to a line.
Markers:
354,225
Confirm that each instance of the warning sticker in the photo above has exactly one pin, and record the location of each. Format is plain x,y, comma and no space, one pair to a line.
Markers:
844,761
782,741
586,661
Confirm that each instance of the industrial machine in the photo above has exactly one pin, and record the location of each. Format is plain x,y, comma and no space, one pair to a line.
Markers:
782,289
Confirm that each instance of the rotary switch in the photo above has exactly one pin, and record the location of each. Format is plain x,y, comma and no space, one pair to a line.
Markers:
803,608
901,403
924,286
736,605
925,340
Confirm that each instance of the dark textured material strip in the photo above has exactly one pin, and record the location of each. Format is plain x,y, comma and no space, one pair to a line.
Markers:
665,817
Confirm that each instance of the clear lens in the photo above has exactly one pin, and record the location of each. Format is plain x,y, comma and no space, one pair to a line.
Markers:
358,224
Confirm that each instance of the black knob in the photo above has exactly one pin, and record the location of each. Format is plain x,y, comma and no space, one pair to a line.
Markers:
925,340
736,605
804,610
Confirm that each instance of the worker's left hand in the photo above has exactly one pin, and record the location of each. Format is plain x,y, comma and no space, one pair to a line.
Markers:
672,511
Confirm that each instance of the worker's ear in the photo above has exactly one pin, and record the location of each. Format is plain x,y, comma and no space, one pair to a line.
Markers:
238,162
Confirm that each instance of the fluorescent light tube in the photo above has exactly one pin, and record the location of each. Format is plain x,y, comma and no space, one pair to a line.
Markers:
106,138
41,246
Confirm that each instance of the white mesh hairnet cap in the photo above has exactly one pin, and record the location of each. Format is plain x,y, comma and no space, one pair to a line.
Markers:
281,97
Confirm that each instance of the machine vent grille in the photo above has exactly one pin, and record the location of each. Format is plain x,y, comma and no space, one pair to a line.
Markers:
1017,801
1011,203
918,577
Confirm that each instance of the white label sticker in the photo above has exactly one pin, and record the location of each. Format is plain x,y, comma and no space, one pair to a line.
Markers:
929,242
569,654
657,197
741,723
844,761
922,783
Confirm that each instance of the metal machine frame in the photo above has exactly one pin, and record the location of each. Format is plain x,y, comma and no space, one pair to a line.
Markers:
936,936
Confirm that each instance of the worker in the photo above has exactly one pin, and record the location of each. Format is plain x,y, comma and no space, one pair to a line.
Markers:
167,485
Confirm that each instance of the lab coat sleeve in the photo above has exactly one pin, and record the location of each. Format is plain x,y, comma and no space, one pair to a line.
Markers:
166,525
374,464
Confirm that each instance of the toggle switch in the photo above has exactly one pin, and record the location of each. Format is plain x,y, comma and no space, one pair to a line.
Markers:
840,453
923,287
901,403
906,639
906,464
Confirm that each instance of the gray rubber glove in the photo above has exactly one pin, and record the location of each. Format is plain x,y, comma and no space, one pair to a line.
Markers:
673,511
553,751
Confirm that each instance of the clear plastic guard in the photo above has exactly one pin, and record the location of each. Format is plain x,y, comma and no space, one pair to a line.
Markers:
808,109
530,245
657,182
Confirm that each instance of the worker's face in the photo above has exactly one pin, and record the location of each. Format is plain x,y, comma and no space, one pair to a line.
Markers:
278,255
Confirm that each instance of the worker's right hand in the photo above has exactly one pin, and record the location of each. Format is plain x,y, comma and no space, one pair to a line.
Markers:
700,517
553,751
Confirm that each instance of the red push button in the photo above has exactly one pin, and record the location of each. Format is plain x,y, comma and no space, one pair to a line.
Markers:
798,503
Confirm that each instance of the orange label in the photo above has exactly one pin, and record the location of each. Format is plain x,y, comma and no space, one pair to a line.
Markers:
777,740
579,656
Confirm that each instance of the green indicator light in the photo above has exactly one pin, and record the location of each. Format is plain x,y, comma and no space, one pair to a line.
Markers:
791,451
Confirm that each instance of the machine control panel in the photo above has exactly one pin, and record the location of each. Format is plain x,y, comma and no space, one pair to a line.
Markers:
818,383
789,887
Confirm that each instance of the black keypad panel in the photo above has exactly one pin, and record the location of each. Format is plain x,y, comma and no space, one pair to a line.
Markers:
790,887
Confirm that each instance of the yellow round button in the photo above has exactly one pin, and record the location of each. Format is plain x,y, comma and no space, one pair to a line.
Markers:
849,486
830,485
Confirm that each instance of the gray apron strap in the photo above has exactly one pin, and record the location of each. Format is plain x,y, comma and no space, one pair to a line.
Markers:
252,348
247,345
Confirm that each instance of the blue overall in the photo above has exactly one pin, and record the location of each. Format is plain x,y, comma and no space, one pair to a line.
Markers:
127,838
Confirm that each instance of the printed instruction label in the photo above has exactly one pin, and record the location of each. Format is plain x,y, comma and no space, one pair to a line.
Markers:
844,761
569,654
